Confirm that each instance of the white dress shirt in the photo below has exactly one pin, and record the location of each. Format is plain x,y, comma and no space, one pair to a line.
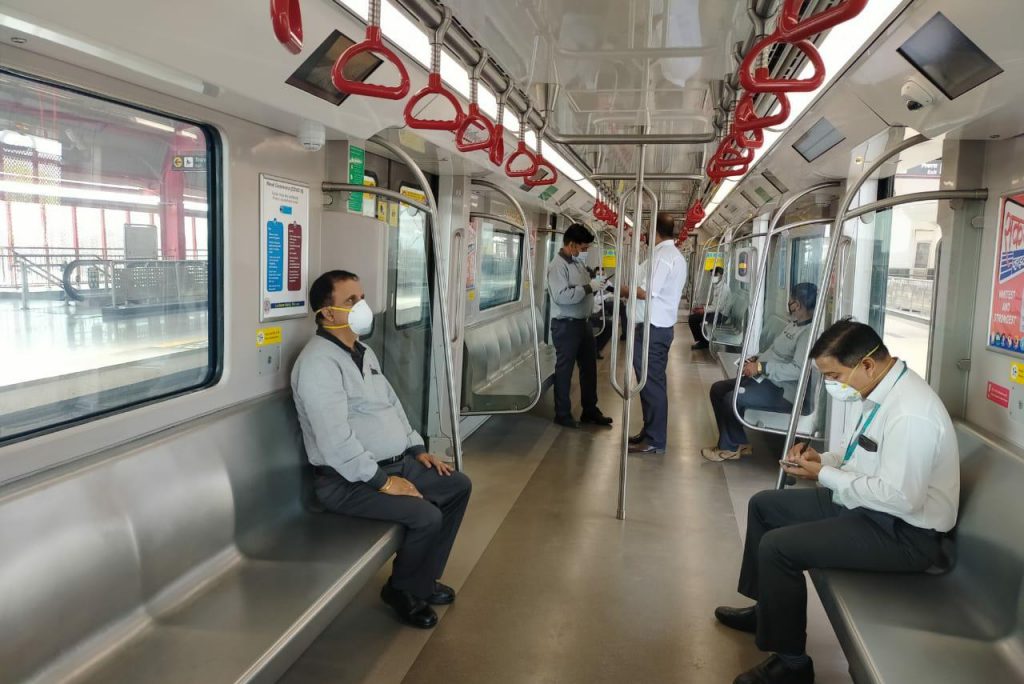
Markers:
667,286
915,473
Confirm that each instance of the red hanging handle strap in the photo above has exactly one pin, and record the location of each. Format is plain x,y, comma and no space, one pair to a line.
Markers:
435,86
374,43
790,27
522,152
760,83
542,164
747,118
475,121
286,16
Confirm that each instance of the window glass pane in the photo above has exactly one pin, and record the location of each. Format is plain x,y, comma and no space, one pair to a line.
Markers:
105,287
412,296
500,268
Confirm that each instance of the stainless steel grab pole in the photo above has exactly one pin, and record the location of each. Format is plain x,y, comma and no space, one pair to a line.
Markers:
528,270
330,186
628,384
830,259
651,233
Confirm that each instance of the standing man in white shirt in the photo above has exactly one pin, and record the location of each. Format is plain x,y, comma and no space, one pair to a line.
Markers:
662,305
885,502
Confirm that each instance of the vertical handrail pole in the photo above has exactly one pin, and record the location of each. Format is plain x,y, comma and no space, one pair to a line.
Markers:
718,248
826,273
24,285
619,271
628,385
443,291
651,232
600,269
528,268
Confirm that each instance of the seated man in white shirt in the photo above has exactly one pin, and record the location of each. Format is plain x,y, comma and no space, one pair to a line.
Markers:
886,499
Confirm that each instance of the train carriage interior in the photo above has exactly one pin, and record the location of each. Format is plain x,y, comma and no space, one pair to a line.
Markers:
174,176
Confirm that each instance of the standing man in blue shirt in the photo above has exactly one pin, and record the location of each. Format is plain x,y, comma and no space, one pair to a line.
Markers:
368,461
571,289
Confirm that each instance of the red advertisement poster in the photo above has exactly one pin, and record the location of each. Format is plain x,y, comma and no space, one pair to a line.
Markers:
1006,318
998,394
294,257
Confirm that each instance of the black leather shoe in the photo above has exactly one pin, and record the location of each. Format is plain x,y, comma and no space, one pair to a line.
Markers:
567,422
742,619
410,610
638,438
442,596
772,671
596,419
700,345
645,448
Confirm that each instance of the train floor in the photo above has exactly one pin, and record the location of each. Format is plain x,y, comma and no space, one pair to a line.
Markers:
553,589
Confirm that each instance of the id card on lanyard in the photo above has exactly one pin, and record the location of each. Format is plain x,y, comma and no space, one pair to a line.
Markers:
852,446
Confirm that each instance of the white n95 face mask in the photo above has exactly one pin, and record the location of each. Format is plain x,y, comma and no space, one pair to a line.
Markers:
840,391
360,318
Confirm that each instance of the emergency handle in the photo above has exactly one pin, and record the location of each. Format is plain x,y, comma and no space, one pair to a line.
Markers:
522,150
286,16
759,82
790,27
475,119
375,44
434,87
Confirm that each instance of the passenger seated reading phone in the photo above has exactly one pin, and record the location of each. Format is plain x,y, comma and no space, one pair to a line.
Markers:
887,497
769,378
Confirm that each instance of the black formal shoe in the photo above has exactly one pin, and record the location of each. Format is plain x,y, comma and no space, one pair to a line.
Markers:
638,438
596,418
442,596
410,610
600,356
773,671
645,448
742,619
700,345
568,422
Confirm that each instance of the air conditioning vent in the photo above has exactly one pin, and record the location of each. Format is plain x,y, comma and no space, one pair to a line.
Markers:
821,138
774,181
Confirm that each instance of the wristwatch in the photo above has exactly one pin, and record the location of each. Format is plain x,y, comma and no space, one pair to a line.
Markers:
760,368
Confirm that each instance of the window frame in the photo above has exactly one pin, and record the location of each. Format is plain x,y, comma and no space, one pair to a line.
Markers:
423,317
215,261
519,268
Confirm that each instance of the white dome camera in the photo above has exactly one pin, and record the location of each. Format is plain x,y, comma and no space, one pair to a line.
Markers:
915,96
312,135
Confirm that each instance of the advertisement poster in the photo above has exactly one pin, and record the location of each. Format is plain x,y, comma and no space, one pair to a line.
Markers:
1006,318
284,248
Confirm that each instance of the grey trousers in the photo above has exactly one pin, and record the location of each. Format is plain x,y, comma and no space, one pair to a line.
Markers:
792,530
431,523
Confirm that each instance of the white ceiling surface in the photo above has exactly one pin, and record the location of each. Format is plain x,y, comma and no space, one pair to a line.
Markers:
866,101
229,61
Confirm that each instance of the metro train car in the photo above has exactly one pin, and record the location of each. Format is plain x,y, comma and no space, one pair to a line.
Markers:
300,300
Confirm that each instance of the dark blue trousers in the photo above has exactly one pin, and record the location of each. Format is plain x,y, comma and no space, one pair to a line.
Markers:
654,395
574,346
762,396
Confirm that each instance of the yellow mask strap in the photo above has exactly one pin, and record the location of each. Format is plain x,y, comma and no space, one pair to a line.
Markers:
336,308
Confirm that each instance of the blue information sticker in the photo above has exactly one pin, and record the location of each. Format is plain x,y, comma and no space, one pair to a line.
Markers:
275,256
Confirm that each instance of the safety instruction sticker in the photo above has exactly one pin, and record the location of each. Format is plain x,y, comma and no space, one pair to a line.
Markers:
266,337
284,248
608,258
356,176
998,394
1017,373
713,260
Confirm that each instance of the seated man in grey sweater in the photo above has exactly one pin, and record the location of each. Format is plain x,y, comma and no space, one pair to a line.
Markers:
368,461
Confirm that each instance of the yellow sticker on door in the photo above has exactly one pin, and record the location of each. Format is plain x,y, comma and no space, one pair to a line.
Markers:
268,336
1017,373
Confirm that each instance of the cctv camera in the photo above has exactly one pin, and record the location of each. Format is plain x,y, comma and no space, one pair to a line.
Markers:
915,96
312,135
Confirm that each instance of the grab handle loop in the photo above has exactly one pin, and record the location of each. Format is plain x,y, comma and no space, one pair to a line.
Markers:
435,86
759,82
790,27
374,43
286,16
475,121
747,118
522,150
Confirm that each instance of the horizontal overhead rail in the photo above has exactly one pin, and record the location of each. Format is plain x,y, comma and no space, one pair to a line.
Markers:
650,177
497,217
632,138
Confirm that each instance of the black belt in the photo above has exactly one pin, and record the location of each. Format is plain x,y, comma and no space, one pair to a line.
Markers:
329,471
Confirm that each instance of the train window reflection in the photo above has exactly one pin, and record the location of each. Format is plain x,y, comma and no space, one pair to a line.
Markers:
500,266
412,296
105,254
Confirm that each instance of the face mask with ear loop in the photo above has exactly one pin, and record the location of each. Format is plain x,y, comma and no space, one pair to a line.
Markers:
840,391
360,318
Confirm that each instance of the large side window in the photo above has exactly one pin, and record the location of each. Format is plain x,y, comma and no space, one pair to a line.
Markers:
107,278
501,273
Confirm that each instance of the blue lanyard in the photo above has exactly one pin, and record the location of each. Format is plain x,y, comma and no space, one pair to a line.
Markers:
852,446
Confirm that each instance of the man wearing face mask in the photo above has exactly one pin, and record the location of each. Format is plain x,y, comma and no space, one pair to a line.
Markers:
887,498
769,379
368,461
571,290
719,299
